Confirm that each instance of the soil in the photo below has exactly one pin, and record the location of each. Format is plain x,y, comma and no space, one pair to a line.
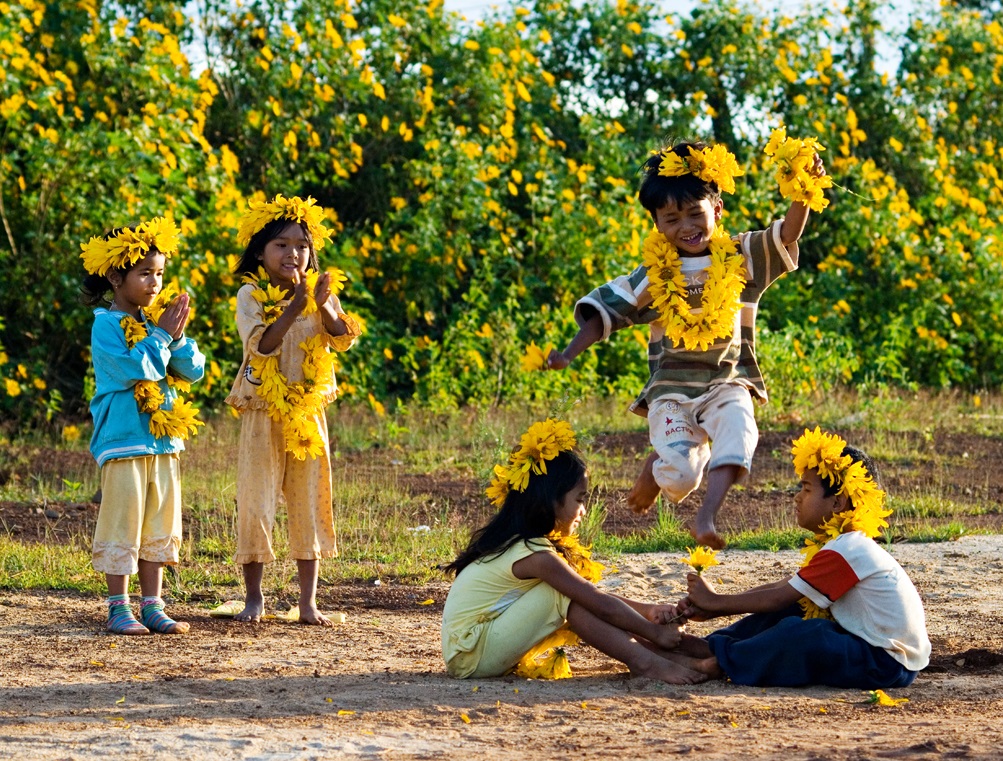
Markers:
374,686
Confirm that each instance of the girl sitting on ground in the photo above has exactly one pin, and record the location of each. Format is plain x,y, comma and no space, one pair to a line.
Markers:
516,582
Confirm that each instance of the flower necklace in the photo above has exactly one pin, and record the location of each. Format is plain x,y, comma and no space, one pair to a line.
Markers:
719,303
181,420
295,404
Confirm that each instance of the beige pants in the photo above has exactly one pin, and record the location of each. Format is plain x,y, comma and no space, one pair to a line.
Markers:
682,433
265,474
140,515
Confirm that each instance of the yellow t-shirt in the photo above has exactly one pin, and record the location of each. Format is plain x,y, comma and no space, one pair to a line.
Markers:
482,592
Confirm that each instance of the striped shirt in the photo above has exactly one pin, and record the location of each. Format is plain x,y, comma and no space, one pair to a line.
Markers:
675,371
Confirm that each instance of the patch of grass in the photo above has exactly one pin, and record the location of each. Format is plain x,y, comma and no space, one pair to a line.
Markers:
386,533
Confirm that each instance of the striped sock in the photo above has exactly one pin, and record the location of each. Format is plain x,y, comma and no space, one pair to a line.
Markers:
120,618
151,611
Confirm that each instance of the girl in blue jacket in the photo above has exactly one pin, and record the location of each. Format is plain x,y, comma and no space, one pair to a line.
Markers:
143,362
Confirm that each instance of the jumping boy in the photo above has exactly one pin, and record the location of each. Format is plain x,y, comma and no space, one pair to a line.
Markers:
699,290
850,617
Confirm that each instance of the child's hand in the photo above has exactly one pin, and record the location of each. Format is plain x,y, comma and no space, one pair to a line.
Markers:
298,301
322,291
817,168
556,360
175,316
692,612
664,614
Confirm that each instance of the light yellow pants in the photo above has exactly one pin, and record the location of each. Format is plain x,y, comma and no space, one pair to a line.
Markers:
265,474
140,515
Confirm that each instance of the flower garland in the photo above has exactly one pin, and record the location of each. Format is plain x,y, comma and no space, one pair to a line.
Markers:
181,420
719,303
128,246
711,164
295,404
823,452
543,441
295,209
793,159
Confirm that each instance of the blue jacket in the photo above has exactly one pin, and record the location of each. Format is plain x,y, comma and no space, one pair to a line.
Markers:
120,429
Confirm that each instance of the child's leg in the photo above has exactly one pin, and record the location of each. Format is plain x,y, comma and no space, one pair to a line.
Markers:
726,413
621,645
254,600
261,465
644,492
681,454
309,571
719,481
120,617
151,608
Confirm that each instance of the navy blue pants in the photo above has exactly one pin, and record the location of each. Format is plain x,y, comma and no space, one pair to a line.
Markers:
782,649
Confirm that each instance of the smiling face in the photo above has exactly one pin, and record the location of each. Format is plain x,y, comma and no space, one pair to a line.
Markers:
140,285
286,256
813,507
688,226
570,509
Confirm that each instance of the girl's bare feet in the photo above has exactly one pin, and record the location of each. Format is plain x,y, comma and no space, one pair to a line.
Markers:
668,671
310,615
254,608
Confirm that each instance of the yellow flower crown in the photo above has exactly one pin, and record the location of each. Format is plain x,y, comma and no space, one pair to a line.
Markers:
715,163
295,209
129,246
543,441
823,452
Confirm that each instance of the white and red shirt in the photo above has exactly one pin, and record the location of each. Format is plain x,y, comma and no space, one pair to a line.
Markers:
868,594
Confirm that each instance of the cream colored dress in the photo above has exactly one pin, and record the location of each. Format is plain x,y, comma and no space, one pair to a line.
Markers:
265,471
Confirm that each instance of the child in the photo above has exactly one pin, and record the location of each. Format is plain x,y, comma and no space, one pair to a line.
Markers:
514,585
142,359
289,319
860,621
699,290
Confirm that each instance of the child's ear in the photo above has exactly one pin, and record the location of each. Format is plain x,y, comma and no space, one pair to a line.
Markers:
718,209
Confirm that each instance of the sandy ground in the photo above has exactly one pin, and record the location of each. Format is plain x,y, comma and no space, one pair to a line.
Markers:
374,686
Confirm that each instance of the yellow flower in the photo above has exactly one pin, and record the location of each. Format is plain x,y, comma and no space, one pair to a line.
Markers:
793,159
701,558
71,433
881,698
295,209
148,396
547,660
129,246
711,164
535,358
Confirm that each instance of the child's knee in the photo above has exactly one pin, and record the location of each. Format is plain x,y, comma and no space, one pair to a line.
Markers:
676,480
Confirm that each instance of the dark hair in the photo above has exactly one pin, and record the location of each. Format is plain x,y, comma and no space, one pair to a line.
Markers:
656,191
857,455
250,260
525,514
95,287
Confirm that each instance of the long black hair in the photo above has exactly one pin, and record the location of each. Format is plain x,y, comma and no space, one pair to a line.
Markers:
250,260
525,514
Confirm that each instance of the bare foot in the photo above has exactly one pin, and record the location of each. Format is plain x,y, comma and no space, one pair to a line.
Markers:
703,531
254,607
310,615
670,672
644,492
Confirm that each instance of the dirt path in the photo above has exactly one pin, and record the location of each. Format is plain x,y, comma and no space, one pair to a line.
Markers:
374,687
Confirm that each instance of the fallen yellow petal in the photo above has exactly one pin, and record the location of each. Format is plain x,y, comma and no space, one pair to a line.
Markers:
346,713
120,701
466,719
96,663
429,601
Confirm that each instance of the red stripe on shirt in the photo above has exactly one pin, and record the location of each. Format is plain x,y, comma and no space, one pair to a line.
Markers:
830,574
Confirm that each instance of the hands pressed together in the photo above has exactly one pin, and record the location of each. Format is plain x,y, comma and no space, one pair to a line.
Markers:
175,316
